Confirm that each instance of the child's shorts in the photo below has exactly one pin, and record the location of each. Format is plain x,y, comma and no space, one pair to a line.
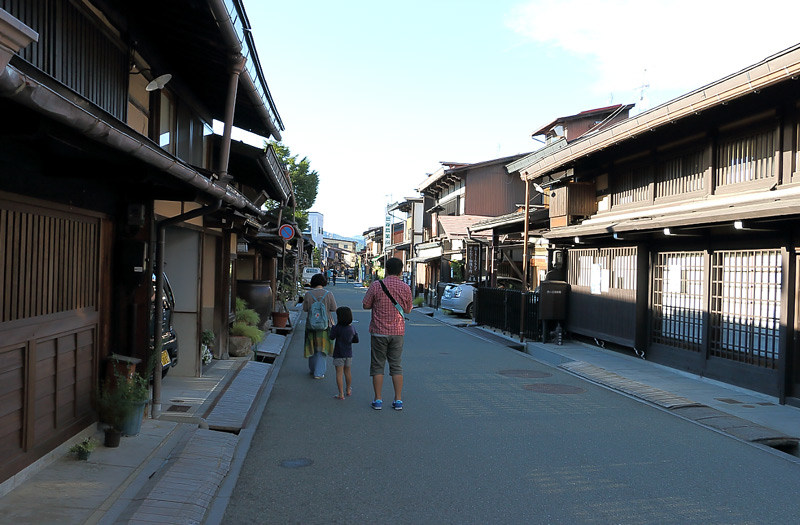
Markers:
342,361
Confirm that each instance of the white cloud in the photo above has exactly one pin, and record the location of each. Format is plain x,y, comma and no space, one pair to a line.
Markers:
682,44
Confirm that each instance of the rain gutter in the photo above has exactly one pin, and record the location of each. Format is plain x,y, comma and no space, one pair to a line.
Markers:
33,94
225,21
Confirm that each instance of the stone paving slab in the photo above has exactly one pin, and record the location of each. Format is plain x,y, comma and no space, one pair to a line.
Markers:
230,412
656,396
711,417
185,491
272,345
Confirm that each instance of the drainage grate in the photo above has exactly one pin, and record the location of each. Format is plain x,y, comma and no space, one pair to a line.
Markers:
530,374
178,408
554,388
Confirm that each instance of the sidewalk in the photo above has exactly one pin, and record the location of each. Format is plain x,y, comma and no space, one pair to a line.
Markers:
172,471
183,467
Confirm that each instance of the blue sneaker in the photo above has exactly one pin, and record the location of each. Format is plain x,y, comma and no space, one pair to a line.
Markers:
377,404
397,405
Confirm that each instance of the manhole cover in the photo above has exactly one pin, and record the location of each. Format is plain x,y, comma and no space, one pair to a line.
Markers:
531,374
553,388
178,408
297,463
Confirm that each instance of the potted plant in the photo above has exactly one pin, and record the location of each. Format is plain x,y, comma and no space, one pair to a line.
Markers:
83,448
244,332
206,340
121,406
287,290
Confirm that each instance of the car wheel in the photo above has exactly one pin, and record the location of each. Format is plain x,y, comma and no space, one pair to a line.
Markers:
468,311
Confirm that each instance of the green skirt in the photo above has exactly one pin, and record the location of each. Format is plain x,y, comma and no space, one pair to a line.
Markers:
317,341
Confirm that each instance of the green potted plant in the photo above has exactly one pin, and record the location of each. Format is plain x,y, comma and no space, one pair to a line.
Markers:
206,340
83,448
121,405
244,332
286,292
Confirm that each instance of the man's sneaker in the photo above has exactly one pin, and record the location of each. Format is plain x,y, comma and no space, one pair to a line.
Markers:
397,405
377,404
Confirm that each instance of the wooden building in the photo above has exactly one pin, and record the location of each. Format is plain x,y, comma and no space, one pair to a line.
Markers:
110,169
457,196
679,226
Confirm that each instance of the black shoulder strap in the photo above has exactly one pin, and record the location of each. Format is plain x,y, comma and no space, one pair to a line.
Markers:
386,291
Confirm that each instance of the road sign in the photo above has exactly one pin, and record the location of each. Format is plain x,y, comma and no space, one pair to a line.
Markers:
286,232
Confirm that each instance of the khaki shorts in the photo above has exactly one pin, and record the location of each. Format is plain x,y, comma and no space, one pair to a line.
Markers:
383,348
342,361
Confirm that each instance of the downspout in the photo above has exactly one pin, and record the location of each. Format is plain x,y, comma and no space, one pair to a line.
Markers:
230,108
525,263
158,317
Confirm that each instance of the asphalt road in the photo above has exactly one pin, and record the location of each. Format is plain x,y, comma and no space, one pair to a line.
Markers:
489,435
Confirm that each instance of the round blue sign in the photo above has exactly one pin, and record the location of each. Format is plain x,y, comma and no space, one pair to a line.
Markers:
286,232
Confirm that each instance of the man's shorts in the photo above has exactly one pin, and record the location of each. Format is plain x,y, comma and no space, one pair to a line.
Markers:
383,348
342,361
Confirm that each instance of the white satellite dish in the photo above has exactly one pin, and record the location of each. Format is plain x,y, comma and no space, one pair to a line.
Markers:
159,82
538,188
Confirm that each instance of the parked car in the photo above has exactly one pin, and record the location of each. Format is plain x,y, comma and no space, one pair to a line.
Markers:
460,297
169,338
308,273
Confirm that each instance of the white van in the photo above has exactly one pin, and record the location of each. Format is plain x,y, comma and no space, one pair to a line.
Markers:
308,273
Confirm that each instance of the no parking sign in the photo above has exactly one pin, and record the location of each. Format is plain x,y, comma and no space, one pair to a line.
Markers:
286,232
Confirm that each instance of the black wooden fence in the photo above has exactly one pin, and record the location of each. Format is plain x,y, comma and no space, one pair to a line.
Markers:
500,308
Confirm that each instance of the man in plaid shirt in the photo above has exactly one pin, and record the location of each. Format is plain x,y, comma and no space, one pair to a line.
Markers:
387,329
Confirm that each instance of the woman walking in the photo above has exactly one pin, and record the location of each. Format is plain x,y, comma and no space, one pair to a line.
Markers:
318,302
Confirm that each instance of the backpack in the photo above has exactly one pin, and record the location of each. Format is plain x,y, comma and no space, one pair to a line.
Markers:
318,314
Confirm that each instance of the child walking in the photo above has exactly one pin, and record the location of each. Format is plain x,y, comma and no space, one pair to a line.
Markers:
344,333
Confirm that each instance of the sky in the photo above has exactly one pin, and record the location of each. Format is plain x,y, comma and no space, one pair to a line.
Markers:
376,94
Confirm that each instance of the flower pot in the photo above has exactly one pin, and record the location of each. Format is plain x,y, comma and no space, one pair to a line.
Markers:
112,437
83,454
239,346
133,423
280,319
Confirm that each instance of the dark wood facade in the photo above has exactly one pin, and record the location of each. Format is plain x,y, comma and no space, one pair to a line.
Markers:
83,161
690,253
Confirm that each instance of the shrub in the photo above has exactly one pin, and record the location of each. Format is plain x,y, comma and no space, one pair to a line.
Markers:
242,329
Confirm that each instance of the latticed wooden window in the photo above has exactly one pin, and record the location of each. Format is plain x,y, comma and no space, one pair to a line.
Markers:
678,299
746,306
48,263
604,269
680,175
746,159
632,186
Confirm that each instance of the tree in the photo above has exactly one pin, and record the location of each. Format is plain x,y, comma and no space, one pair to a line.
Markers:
305,181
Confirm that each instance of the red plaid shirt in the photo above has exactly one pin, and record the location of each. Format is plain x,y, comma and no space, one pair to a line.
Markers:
386,320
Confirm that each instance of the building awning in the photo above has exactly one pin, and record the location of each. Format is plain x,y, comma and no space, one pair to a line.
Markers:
779,203
455,226
424,259
379,257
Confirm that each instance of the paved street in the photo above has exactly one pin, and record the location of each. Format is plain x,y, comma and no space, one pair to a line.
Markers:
489,435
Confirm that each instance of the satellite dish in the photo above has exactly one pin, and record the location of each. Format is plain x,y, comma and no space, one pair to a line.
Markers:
159,82
538,188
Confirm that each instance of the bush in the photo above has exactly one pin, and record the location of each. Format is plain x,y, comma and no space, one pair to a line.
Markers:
244,314
418,300
242,329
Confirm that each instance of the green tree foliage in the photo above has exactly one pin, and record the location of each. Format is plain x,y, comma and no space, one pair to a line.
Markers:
304,180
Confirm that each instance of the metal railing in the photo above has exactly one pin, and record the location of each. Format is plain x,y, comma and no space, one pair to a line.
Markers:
499,308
